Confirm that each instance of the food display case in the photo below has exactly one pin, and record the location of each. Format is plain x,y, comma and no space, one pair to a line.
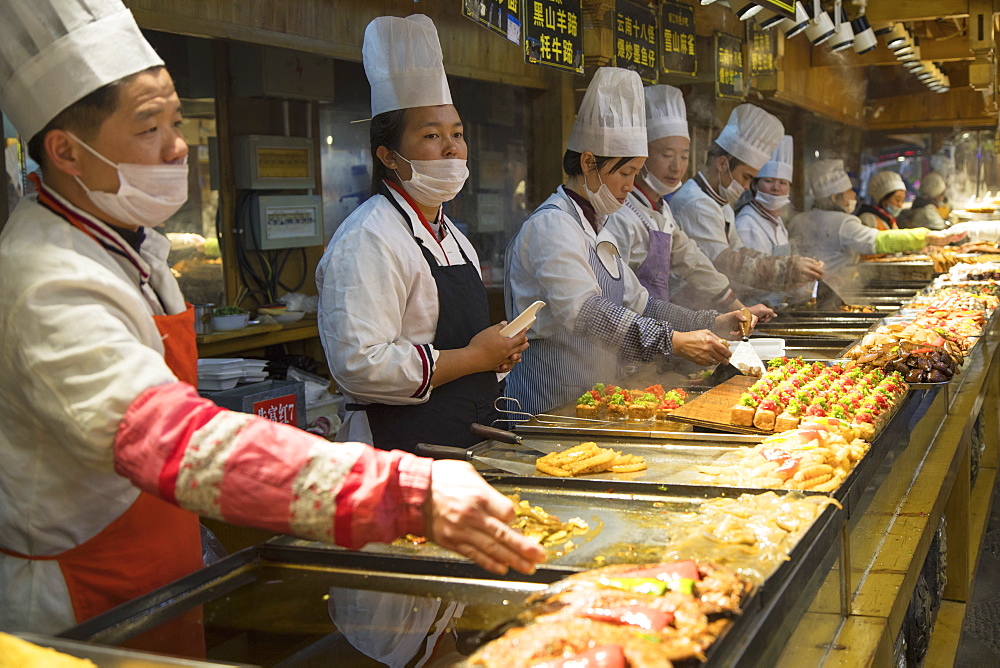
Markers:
837,595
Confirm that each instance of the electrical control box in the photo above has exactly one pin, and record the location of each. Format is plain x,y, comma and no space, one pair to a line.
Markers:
264,162
285,221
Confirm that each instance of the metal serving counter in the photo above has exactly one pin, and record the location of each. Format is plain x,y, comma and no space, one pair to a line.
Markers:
840,599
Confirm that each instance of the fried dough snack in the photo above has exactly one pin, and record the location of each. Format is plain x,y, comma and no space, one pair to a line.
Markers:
808,459
588,458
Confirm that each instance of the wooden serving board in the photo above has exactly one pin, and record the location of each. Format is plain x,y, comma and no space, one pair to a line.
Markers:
713,408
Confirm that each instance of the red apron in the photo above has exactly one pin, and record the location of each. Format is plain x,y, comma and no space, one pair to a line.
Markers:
153,542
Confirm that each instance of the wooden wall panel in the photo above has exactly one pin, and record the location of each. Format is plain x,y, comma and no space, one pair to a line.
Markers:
959,107
336,29
836,92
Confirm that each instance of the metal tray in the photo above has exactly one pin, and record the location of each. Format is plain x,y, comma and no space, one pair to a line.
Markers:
271,602
629,523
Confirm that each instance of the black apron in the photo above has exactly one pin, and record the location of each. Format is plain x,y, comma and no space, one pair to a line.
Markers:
463,312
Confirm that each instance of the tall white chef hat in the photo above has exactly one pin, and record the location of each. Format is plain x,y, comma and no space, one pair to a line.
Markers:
751,135
55,52
883,183
827,177
612,117
780,164
666,115
404,64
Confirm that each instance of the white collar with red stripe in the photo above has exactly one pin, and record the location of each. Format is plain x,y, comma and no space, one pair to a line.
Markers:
103,233
706,188
764,212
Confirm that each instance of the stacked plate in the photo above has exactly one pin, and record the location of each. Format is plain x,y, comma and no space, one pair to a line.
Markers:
225,373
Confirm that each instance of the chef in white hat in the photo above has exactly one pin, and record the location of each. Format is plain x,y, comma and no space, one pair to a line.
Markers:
649,240
759,222
888,194
703,207
599,317
109,453
929,205
403,316
832,233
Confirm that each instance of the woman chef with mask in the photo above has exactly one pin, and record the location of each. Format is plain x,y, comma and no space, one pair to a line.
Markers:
598,314
403,314
107,453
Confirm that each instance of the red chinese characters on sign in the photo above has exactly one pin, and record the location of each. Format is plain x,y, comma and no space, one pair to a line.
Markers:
279,409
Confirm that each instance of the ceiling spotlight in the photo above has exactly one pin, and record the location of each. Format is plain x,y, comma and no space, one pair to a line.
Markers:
910,56
843,36
773,20
918,66
904,48
881,29
925,76
748,10
864,36
820,28
793,27
896,36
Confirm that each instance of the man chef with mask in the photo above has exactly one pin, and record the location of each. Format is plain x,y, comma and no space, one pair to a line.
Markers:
108,451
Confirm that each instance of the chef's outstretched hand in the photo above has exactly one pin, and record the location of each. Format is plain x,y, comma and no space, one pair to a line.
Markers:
804,269
701,347
763,312
728,326
942,237
463,513
492,352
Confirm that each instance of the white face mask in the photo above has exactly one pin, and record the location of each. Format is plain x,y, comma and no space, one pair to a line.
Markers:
434,182
772,202
147,194
733,191
893,211
602,200
850,206
659,187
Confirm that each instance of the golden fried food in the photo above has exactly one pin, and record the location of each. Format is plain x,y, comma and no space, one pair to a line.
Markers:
588,458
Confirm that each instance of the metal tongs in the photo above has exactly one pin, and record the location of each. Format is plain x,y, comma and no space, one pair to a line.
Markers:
744,355
511,406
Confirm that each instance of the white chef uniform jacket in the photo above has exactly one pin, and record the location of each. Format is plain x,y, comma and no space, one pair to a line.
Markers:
708,223
687,262
837,239
561,275
770,237
76,355
378,307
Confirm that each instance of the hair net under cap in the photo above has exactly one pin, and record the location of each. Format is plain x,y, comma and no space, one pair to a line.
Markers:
55,52
827,177
666,115
932,185
612,117
751,135
780,164
883,183
404,64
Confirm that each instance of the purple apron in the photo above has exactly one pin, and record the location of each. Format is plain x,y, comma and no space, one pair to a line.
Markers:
654,272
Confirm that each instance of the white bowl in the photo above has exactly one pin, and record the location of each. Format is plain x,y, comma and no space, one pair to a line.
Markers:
289,316
228,323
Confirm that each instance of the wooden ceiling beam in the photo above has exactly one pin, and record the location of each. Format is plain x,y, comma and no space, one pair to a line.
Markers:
881,11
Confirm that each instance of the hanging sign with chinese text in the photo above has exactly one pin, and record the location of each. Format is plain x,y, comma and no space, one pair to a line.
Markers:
763,47
677,52
553,34
499,16
730,78
635,39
